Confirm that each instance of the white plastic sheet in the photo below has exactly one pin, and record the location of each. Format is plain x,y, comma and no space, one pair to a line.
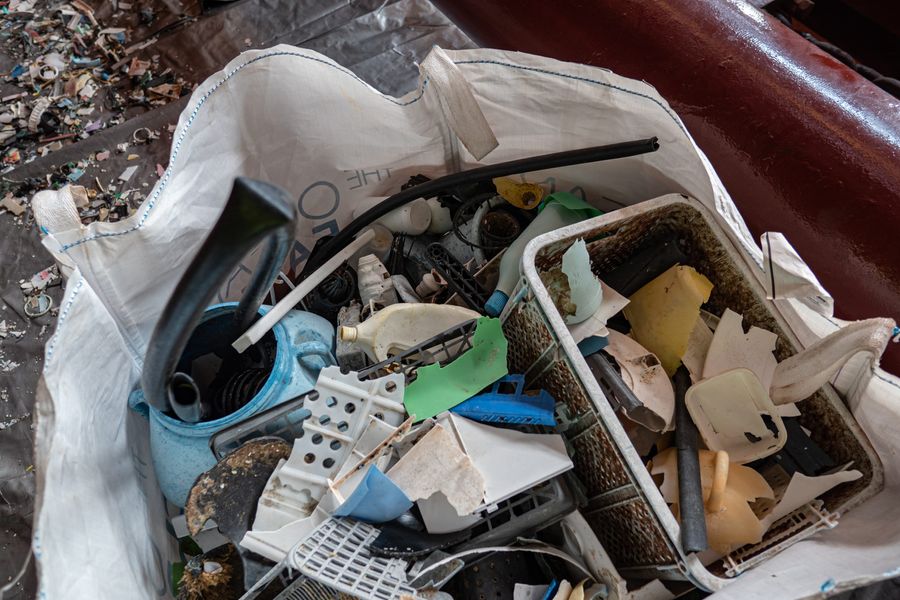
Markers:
299,120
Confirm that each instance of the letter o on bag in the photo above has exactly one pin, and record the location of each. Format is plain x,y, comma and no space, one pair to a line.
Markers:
317,196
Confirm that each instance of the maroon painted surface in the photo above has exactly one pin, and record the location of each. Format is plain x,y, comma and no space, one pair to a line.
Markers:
804,145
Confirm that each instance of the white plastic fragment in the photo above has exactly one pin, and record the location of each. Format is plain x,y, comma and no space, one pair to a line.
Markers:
268,320
728,410
128,173
611,304
524,591
510,461
803,489
644,375
697,349
731,348
436,463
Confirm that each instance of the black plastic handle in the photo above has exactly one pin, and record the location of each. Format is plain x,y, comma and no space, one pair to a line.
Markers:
255,212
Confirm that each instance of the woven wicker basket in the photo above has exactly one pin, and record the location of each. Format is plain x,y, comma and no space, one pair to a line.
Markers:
626,510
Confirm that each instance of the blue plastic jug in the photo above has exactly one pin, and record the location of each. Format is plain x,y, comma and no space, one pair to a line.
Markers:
194,383
181,451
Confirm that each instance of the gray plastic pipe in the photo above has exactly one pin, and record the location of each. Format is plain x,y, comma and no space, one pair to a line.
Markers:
690,487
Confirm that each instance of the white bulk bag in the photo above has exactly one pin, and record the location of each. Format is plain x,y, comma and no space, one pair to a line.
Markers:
297,119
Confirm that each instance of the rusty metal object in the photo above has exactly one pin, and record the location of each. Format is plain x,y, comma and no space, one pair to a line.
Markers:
804,145
228,492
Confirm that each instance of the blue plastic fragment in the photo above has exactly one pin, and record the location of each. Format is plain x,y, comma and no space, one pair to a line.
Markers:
513,406
17,70
551,590
592,345
84,61
377,499
75,174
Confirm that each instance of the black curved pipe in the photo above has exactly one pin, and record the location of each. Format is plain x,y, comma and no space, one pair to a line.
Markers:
255,212
433,187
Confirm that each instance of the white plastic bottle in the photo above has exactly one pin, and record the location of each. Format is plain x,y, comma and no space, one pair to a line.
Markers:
400,327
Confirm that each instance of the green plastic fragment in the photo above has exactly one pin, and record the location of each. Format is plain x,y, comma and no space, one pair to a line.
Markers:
437,389
571,202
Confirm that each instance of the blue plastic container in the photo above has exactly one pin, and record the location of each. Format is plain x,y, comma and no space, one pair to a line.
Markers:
180,450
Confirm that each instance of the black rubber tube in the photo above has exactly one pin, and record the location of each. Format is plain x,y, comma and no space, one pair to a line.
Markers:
690,489
254,212
433,187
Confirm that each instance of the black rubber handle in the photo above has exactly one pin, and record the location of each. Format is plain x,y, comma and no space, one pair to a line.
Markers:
255,212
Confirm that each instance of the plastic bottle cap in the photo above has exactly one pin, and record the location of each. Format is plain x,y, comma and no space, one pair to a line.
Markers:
347,334
494,305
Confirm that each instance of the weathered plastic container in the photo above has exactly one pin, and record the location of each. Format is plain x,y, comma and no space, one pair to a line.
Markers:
625,508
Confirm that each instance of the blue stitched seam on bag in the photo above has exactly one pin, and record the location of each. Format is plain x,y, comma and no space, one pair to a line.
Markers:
62,317
194,113
177,145
577,78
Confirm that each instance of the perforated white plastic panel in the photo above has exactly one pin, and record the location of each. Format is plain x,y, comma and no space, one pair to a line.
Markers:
336,555
340,415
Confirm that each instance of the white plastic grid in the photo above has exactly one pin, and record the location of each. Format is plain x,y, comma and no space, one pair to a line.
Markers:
336,555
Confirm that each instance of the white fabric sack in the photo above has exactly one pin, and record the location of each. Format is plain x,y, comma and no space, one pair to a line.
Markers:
297,119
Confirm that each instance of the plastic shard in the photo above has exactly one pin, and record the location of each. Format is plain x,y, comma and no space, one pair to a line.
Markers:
731,348
439,388
694,356
526,459
521,195
643,373
727,489
803,489
662,314
612,303
578,294
436,463
734,413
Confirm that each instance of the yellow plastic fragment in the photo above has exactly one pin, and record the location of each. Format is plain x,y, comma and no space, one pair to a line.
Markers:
663,312
727,489
522,195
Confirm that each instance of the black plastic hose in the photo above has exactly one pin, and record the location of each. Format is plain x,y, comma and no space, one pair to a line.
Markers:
255,212
433,187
